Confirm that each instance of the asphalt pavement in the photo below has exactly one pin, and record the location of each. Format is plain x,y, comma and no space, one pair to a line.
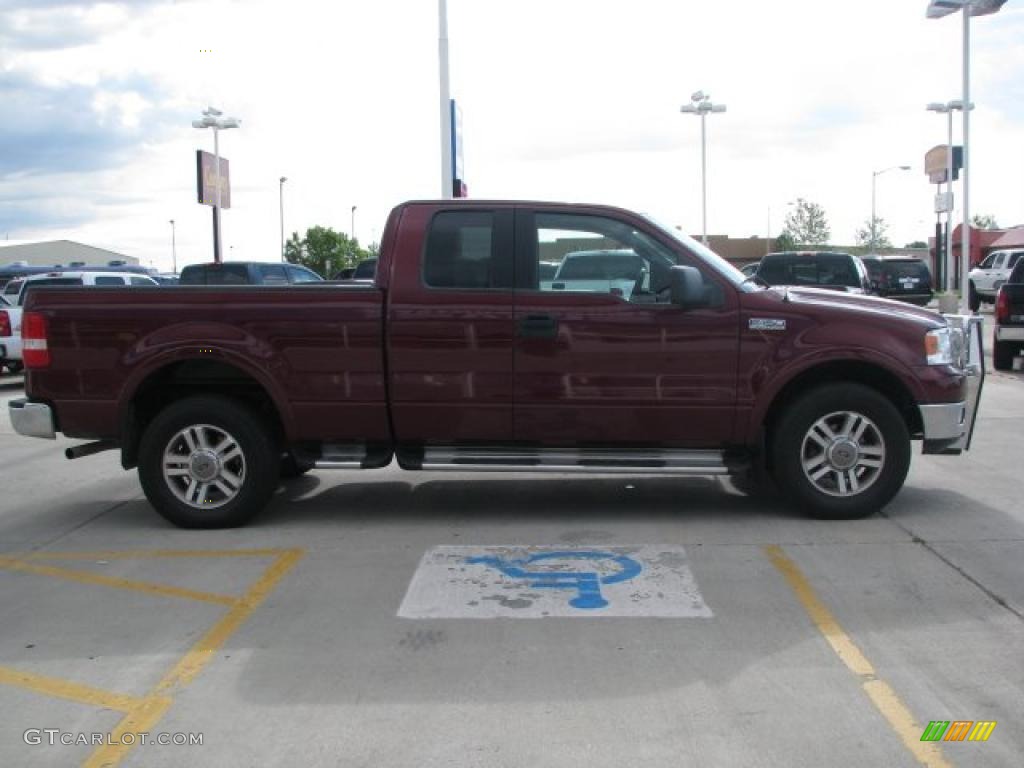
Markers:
411,619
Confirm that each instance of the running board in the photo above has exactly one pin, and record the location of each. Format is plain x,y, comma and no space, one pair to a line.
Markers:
352,456
660,462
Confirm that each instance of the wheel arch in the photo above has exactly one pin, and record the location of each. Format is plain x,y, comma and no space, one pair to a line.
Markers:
182,377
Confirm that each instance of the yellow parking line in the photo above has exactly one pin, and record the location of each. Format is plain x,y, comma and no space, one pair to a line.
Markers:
881,693
86,577
145,554
65,689
202,652
142,719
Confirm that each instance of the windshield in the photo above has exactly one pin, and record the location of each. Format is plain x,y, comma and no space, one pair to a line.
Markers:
709,257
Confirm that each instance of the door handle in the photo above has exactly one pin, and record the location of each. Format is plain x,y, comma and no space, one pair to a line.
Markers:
538,327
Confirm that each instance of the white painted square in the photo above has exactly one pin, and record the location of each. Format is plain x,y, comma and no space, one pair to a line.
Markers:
527,582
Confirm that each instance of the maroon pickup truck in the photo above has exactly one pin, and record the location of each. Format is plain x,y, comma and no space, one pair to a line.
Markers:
471,351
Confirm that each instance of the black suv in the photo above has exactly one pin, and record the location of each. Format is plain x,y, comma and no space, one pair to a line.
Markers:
247,273
900,277
815,269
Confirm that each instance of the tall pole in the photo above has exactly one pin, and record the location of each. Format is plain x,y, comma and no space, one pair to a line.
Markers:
281,201
949,197
874,238
216,198
352,226
965,247
446,117
174,251
703,178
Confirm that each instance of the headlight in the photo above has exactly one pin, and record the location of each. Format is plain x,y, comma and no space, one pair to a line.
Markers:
943,346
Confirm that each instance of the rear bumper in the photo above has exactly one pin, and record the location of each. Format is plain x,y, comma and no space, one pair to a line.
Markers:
32,419
1009,333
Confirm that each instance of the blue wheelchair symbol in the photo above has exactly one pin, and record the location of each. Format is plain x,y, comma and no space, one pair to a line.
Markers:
586,583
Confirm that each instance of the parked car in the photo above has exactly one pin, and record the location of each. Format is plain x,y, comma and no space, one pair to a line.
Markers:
455,357
615,271
904,278
10,318
986,278
1008,341
833,270
247,273
18,269
365,270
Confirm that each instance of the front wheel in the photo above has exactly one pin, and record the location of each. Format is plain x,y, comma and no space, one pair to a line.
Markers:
206,462
841,451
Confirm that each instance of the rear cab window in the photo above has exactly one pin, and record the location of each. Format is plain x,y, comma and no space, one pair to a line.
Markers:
463,251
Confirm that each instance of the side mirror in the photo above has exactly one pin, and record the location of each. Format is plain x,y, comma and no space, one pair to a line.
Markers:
687,286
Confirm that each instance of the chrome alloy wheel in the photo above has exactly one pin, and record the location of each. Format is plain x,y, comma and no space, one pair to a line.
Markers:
843,453
204,466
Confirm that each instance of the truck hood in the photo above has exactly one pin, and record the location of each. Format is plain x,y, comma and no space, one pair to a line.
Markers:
860,304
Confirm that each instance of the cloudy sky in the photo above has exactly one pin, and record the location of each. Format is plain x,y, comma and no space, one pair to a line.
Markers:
562,99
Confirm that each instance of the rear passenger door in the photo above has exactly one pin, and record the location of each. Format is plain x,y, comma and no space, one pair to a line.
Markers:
450,326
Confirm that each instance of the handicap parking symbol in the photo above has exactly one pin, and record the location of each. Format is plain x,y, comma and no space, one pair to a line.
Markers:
587,583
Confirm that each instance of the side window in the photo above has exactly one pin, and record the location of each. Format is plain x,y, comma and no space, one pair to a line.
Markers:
301,275
460,252
141,281
1012,261
998,261
597,255
273,274
109,280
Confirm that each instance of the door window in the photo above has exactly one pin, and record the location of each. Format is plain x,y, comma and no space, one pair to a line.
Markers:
460,253
998,261
302,275
592,254
273,274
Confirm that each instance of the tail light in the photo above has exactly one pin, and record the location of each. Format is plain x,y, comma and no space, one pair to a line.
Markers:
35,352
5,323
1002,306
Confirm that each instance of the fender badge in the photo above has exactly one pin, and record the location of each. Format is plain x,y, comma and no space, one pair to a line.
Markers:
767,324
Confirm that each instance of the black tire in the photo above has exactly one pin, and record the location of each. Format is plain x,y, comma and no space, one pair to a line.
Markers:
973,299
292,467
1003,353
255,464
790,444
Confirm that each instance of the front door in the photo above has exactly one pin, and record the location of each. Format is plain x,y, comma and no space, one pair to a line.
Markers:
602,357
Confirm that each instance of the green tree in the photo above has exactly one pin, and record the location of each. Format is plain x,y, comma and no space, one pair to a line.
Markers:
872,236
984,221
807,224
784,242
324,250
916,244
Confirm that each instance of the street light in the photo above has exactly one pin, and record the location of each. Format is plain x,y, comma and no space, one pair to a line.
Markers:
936,10
280,191
352,226
948,108
212,119
875,175
447,181
174,251
701,105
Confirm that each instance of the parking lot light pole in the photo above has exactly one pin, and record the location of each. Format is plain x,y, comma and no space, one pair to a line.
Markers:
700,104
352,226
174,251
281,201
936,10
874,177
948,108
212,118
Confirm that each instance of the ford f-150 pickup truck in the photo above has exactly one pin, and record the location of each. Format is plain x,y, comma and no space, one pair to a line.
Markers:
458,356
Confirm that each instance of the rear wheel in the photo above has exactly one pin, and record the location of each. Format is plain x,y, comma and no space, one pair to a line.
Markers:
1003,353
206,462
841,451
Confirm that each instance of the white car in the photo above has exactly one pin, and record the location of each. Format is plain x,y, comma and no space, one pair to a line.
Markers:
618,272
986,278
14,296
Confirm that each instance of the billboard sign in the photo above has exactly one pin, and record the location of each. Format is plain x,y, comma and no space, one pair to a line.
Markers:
206,180
936,160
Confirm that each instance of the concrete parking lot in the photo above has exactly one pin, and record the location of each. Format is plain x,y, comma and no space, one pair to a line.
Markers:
282,643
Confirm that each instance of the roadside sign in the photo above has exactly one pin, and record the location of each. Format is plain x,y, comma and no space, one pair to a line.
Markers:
936,161
532,582
206,180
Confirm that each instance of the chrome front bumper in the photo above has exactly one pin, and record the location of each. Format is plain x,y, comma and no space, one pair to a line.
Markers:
32,419
949,427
